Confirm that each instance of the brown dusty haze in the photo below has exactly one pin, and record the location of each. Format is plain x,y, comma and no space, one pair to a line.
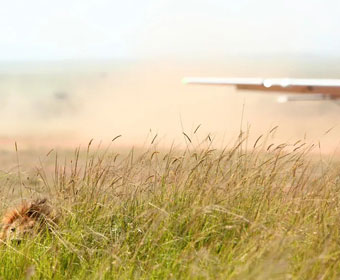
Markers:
68,104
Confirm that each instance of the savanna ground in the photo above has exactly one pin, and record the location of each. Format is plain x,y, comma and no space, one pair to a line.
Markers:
250,211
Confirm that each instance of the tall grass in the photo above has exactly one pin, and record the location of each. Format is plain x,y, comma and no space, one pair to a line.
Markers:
250,211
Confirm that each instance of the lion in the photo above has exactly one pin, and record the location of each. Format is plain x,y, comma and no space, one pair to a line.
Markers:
26,220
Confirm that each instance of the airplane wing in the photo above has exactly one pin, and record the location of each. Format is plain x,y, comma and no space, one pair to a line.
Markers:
314,88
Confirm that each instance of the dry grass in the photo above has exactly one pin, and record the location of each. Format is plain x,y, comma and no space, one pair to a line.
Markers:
269,212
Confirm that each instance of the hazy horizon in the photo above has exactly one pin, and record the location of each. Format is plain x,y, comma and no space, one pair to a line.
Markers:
74,70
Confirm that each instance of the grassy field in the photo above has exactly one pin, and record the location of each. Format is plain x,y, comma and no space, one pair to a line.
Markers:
250,211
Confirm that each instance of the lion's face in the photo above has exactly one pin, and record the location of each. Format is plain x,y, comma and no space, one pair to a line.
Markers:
28,219
19,228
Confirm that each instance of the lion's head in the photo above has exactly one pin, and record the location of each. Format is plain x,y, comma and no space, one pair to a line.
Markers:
27,219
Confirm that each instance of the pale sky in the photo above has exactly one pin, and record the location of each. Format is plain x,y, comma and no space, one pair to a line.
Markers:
88,29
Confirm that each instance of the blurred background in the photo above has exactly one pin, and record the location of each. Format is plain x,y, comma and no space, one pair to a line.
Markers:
75,70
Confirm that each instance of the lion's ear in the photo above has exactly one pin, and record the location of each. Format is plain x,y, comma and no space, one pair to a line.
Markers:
32,211
35,207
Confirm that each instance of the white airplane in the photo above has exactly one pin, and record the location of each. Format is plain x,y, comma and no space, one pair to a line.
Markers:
294,89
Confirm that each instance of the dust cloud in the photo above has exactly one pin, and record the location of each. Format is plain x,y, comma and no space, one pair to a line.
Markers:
68,104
